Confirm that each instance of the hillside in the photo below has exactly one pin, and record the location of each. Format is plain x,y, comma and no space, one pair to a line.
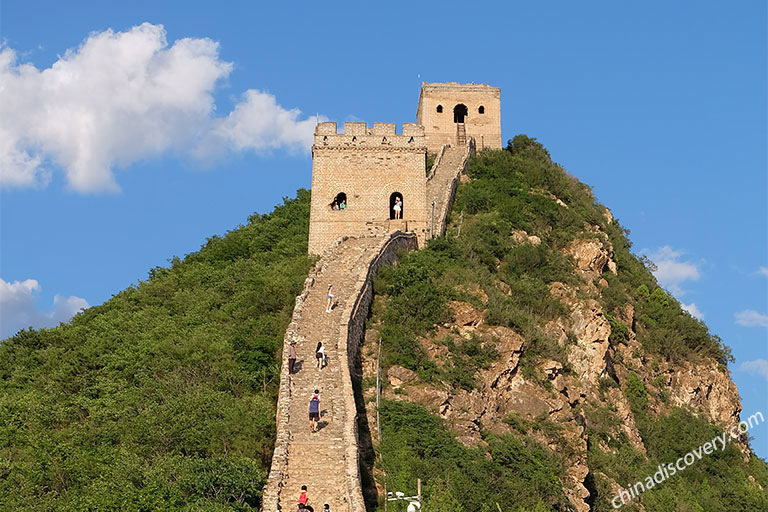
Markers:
532,360
162,398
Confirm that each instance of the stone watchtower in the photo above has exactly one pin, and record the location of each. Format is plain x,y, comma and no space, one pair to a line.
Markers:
368,170
451,113
358,175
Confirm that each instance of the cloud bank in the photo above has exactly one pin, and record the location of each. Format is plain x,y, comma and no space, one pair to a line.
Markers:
18,309
751,318
693,310
126,96
671,272
757,367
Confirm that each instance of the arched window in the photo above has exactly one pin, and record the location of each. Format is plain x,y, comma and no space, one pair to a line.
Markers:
459,113
439,109
339,202
396,205
481,110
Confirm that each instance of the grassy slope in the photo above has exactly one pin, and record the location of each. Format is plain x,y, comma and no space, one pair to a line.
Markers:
163,397
511,190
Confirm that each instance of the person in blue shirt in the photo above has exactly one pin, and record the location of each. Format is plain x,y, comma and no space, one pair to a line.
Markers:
314,411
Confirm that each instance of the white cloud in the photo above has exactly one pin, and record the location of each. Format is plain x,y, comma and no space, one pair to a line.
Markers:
18,309
671,272
259,123
758,367
763,271
751,318
693,310
122,97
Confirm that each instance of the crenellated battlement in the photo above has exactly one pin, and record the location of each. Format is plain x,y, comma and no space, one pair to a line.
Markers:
360,135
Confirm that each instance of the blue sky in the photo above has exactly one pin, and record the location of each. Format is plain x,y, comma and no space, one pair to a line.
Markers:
660,106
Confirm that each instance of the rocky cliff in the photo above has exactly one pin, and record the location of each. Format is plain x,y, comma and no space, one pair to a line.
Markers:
541,326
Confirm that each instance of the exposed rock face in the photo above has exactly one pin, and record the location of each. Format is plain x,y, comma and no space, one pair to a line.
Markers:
397,376
591,256
521,237
591,375
707,389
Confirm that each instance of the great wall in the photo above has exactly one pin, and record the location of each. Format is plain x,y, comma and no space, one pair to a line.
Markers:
370,166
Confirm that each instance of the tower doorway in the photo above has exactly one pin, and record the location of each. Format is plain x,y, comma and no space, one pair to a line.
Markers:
459,113
396,206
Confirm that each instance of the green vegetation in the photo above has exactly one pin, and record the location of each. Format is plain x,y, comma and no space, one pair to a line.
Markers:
717,482
163,397
429,161
522,189
518,475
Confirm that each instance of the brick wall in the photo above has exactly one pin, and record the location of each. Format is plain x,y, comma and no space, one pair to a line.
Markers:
368,165
439,127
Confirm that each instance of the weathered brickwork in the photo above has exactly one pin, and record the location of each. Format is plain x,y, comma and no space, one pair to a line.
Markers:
440,127
367,165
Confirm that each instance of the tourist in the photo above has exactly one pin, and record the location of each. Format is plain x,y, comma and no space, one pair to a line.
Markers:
319,355
343,204
329,306
291,357
326,508
303,497
398,207
314,413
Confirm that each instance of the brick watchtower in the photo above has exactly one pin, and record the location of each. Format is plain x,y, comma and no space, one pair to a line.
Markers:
366,169
451,113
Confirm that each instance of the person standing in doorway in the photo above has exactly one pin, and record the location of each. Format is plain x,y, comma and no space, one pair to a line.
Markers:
329,305
291,357
398,207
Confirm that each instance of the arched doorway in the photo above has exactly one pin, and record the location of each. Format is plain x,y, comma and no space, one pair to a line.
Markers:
396,206
339,202
459,113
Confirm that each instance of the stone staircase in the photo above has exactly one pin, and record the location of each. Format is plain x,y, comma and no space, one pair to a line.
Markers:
442,182
326,461
461,134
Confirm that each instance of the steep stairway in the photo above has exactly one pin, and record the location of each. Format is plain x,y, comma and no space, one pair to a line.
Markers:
461,134
441,184
326,461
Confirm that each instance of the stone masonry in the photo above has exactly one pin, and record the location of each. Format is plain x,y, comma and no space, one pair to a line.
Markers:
368,165
439,102
326,461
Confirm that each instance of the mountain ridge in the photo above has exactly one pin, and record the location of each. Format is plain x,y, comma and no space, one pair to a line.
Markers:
508,346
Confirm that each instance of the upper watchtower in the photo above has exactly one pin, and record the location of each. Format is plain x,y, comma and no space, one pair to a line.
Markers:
451,112
365,177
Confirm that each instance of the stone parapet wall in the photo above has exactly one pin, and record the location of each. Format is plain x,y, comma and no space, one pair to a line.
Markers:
441,186
277,472
352,324
360,135
353,321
